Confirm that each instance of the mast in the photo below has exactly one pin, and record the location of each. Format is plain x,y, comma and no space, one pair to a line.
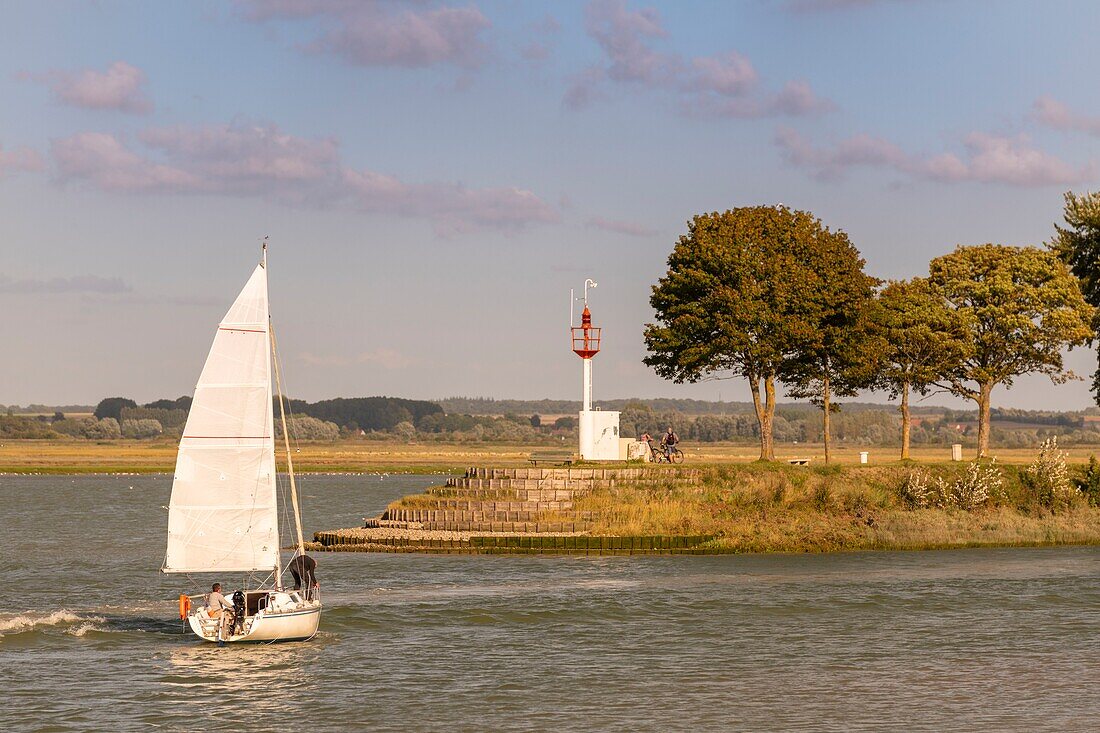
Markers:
300,548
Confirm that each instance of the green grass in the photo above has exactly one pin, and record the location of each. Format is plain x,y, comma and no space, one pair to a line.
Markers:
778,508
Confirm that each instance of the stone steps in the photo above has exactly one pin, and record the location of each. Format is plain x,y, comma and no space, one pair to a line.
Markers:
529,484
492,526
505,494
489,505
457,516
574,474
521,501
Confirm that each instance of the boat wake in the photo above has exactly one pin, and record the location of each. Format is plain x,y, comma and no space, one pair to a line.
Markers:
11,624
30,624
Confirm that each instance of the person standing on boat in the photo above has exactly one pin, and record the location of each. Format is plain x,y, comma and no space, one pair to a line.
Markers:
216,603
304,567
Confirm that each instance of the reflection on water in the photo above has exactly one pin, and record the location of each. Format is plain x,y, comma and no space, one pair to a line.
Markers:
998,639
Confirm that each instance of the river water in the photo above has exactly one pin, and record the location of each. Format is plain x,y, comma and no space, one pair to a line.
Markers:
963,640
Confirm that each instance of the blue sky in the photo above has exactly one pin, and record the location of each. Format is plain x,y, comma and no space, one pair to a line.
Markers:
434,177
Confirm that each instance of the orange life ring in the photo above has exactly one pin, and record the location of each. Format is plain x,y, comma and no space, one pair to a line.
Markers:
185,606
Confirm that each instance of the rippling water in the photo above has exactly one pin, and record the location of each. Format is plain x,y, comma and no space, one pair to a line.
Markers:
89,639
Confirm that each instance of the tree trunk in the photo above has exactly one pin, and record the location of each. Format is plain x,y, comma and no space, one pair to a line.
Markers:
764,415
825,413
983,401
905,421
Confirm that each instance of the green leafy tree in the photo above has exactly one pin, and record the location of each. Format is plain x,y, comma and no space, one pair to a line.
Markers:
112,407
732,303
838,351
1078,244
104,429
921,337
1019,308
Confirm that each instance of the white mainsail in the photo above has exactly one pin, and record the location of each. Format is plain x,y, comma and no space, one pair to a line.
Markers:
223,514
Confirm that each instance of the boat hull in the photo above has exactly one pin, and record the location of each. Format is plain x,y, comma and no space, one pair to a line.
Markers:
267,627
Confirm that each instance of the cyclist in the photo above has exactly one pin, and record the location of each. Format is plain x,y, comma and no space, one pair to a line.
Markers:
668,443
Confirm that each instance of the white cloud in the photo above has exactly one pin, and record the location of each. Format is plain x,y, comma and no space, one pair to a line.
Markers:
120,87
725,84
375,34
1059,116
985,158
264,162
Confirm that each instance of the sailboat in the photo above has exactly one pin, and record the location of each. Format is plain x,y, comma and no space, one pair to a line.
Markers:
223,516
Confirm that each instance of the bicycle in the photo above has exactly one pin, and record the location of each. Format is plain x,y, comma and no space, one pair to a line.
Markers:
659,456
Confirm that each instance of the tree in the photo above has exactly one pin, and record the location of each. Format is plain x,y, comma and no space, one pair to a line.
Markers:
304,427
405,430
141,428
1078,244
536,420
838,351
921,338
104,429
1019,307
729,306
112,407
180,403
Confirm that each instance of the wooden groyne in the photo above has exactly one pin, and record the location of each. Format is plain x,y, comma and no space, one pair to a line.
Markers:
511,511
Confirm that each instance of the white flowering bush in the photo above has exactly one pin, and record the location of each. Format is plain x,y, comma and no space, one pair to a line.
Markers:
981,483
918,491
1048,477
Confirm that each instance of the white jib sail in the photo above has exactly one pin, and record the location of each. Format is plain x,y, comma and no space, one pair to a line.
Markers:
223,514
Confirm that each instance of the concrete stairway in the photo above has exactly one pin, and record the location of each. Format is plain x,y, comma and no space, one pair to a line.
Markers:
486,503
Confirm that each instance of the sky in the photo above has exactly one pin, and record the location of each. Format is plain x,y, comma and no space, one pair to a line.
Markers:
434,177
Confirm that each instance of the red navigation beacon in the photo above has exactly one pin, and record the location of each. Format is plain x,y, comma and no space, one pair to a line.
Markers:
586,339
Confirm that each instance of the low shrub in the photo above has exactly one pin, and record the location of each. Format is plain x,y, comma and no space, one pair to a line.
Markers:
1089,483
1047,479
981,484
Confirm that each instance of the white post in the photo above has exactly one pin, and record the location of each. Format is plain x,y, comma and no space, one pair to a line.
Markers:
586,402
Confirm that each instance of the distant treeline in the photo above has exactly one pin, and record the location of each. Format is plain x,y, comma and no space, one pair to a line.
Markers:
366,413
486,420
490,406
35,409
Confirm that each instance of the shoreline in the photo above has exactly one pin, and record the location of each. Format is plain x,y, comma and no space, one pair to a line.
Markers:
710,510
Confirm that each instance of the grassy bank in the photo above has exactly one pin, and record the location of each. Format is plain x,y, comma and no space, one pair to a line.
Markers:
757,508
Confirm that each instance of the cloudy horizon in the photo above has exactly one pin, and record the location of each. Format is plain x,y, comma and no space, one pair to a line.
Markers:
436,176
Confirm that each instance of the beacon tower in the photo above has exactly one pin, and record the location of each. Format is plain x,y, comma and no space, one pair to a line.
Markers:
599,430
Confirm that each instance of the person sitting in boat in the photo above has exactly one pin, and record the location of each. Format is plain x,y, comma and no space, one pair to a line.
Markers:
216,603
304,567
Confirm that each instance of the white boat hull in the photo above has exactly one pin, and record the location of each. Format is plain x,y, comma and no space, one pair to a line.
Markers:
292,621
